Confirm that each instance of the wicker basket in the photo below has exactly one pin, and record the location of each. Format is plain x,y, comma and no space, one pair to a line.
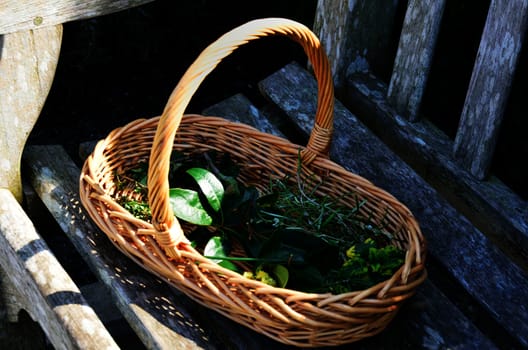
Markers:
161,247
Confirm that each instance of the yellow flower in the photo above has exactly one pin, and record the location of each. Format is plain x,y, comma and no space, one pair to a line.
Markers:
351,252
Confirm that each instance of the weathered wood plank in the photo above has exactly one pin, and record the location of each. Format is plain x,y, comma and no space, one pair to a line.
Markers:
354,31
494,208
490,85
17,15
414,56
42,287
488,275
27,67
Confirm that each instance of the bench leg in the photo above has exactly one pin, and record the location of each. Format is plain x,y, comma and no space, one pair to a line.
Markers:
17,328
10,306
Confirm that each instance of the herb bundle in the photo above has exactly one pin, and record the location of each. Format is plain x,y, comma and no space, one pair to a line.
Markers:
289,236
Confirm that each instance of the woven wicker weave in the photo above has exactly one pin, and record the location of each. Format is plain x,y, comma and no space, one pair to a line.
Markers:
288,316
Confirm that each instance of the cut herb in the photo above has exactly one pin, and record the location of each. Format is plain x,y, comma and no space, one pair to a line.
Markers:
290,236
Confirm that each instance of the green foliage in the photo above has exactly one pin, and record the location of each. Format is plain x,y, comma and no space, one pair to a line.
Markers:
365,264
139,209
291,236
211,187
274,275
187,206
216,248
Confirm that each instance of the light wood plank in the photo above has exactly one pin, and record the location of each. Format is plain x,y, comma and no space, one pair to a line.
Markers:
414,56
18,15
490,85
27,66
151,310
41,286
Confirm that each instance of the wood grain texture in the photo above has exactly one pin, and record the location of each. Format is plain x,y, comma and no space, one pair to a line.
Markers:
333,21
414,56
27,66
21,15
493,207
42,287
354,34
55,179
490,85
483,270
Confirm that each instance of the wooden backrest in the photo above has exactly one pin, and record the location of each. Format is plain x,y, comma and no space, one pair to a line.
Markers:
346,34
459,168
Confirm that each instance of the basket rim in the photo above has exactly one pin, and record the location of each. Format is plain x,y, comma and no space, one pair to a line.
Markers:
104,146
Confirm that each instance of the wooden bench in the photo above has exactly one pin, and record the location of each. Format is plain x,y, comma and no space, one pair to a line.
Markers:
478,287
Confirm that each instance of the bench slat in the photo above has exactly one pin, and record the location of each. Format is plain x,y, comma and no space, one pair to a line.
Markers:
17,15
414,56
490,85
138,295
481,268
238,108
43,288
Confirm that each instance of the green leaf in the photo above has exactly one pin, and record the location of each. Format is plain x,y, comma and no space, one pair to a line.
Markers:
281,275
215,247
186,205
210,185
275,249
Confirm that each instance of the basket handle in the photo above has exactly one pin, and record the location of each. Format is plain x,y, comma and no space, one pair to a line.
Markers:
169,233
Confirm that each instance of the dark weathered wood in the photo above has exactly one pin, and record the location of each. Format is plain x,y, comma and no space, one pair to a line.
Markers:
414,56
19,15
42,287
494,208
490,85
354,31
486,273
23,334
27,66
238,108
